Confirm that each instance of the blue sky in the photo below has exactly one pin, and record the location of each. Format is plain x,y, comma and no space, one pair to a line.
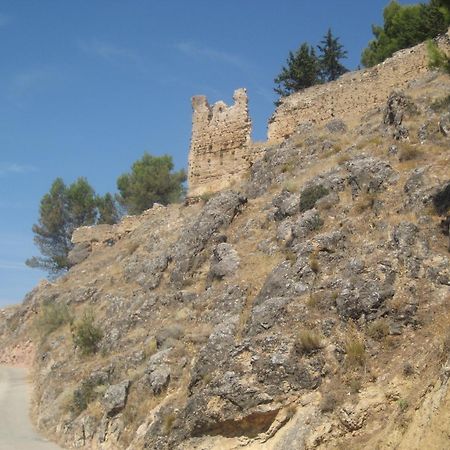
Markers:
87,86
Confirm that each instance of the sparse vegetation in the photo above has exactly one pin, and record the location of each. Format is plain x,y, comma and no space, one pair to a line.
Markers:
308,342
355,351
86,334
354,384
52,316
409,153
403,404
328,403
86,393
408,369
365,202
378,329
314,263
168,422
441,104
206,196
310,195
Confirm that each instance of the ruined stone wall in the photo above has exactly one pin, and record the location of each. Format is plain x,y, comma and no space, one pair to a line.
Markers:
221,149
220,144
352,95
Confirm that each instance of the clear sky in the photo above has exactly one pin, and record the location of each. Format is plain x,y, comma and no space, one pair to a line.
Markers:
87,86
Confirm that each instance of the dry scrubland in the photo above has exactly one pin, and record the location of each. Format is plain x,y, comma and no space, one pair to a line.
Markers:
306,307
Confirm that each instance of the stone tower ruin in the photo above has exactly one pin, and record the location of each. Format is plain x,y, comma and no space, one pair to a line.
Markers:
219,145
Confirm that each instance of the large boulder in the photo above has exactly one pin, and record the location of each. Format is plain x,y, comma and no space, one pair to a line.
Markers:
224,261
115,398
217,214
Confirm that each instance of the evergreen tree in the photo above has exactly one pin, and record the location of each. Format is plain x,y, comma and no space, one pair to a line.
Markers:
63,209
107,209
302,70
331,52
405,26
151,180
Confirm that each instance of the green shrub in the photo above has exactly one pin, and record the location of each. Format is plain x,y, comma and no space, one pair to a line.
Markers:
52,316
437,59
206,196
403,404
86,334
310,195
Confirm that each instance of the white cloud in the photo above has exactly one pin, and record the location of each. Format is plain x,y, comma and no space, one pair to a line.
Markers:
196,51
109,52
14,168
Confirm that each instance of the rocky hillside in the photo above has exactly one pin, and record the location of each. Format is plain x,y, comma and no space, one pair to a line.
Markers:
307,308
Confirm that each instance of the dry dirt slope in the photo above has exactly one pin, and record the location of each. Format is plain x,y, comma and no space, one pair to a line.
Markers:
307,308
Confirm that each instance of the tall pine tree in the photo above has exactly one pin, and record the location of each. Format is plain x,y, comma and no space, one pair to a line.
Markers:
63,209
331,52
302,70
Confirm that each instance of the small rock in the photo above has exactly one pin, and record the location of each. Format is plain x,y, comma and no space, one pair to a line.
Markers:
444,124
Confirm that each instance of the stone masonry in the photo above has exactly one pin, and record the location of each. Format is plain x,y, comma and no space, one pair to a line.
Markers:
353,94
221,149
220,144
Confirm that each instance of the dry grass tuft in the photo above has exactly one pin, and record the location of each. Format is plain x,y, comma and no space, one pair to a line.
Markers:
307,342
356,351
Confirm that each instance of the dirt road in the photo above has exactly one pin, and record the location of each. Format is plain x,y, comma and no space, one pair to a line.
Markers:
16,431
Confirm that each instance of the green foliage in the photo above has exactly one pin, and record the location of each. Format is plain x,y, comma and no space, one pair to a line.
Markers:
302,70
331,52
405,26
437,59
151,180
310,195
107,209
52,316
403,404
86,334
63,209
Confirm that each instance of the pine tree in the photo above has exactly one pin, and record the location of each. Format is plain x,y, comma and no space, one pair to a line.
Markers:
331,52
302,70
107,209
151,180
63,209
405,26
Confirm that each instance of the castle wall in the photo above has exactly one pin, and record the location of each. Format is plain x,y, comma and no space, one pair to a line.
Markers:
221,150
353,94
219,153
